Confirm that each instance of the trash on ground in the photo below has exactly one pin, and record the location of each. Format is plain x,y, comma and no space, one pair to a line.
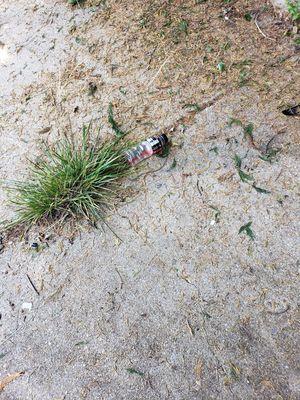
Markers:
78,180
292,111
8,379
147,148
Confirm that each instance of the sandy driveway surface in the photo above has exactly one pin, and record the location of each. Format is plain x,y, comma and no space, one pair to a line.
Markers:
183,307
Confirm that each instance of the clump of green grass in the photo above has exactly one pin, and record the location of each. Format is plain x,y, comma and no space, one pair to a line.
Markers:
71,181
294,9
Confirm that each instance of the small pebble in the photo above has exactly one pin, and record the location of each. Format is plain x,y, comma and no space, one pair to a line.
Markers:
26,306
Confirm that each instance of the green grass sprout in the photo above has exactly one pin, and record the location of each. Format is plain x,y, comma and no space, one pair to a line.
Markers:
248,130
217,213
238,164
70,181
233,121
270,155
248,230
192,107
260,190
293,7
173,165
221,66
183,26
135,371
114,125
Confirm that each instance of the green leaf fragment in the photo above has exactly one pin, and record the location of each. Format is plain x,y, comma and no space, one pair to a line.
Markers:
248,230
234,372
237,161
206,315
238,164
243,78
234,121
245,177
193,106
270,155
248,17
122,90
183,26
221,66
215,150
226,46
293,7
260,190
248,130
173,165
134,371
217,213
114,125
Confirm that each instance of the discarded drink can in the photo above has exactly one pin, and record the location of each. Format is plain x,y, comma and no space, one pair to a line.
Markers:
146,149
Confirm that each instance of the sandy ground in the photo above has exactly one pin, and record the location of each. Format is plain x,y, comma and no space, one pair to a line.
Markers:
183,306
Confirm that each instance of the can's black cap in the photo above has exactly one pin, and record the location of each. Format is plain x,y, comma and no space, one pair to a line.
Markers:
163,139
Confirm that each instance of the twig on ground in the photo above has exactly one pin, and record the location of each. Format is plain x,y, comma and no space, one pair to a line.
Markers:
259,29
158,71
33,285
8,379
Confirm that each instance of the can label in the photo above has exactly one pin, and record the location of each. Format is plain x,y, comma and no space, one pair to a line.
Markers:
155,144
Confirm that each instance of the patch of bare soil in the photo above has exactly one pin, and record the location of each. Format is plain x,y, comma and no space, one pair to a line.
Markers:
191,51
187,54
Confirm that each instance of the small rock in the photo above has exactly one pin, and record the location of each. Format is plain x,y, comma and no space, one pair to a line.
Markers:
92,88
26,306
12,304
45,130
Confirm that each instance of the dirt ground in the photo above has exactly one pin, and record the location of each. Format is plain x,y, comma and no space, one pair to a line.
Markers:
182,306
